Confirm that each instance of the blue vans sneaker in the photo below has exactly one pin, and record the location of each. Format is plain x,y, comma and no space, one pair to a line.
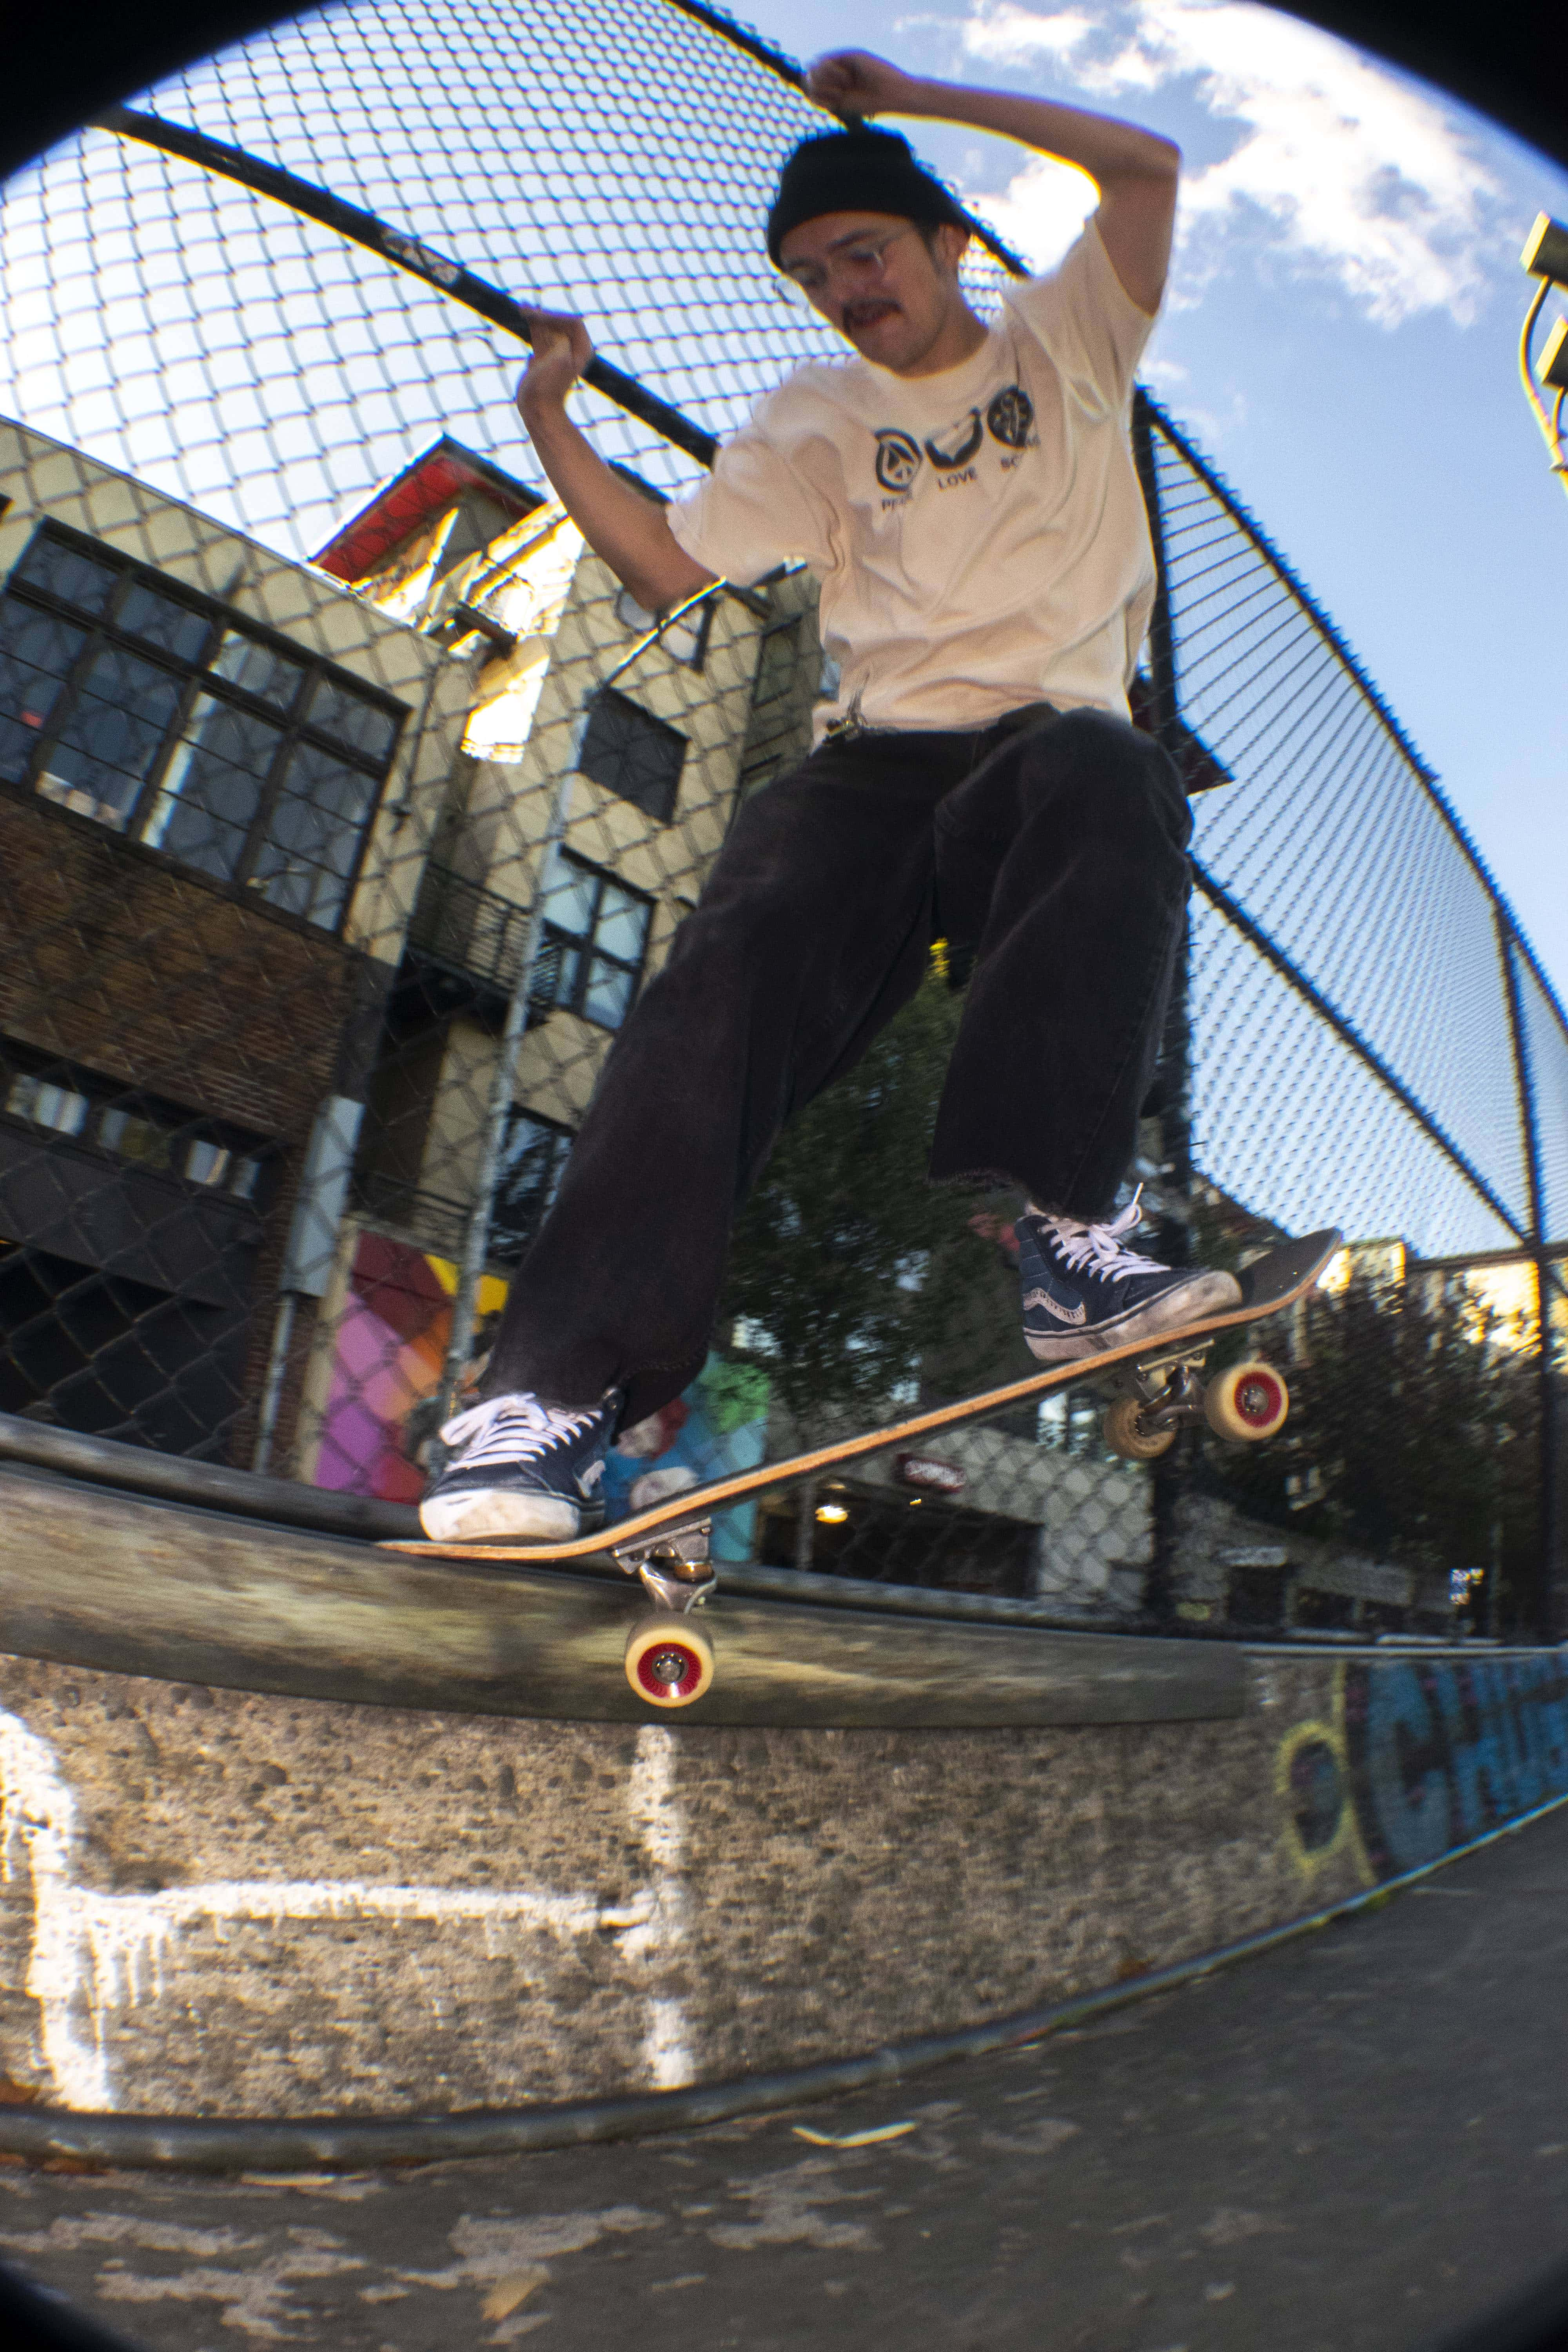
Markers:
1085,1290
521,1470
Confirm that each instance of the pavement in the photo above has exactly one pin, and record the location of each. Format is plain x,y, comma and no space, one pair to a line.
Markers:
1355,2141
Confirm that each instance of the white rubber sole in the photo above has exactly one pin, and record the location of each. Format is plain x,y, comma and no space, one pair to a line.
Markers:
488,1513
1206,1294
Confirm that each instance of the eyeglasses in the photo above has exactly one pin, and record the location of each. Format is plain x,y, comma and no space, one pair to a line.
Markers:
860,264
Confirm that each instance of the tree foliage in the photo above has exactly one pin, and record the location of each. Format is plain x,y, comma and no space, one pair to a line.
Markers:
1414,1431
861,1276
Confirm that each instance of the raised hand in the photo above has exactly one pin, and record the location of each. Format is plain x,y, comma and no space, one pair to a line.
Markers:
854,84
561,349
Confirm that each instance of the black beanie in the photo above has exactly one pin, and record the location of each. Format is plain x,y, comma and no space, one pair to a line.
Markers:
857,171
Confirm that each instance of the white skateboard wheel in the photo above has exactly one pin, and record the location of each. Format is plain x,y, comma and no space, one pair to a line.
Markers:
1123,1434
669,1662
1246,1402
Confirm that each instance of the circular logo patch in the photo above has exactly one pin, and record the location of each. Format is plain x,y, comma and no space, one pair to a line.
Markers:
1011,417
898,460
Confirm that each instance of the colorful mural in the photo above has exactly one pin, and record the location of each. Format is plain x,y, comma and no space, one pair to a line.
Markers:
391,1343
719,1425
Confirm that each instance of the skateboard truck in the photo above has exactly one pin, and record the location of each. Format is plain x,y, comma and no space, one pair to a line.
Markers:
1157,1395
669,1661
673,1564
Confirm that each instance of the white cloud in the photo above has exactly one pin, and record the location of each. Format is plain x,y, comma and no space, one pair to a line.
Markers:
1340,166
1005,30
1041,210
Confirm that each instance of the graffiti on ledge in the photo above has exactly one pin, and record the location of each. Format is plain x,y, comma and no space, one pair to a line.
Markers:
1424,1755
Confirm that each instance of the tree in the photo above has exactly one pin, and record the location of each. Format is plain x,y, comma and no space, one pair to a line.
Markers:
1414,1431
862,1276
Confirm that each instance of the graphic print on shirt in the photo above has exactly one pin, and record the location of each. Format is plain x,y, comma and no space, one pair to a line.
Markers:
956,444
1009,418
897,458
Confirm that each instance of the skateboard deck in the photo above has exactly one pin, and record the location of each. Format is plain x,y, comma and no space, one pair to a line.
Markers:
1155,1389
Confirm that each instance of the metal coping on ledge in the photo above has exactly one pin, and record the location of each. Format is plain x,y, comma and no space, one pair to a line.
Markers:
281,1502
211,1485
320,1510
262,2144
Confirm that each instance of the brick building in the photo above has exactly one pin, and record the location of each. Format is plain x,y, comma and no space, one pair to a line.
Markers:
219,775
272,837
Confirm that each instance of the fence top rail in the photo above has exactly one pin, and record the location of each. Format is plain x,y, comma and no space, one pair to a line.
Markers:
778,61
745,37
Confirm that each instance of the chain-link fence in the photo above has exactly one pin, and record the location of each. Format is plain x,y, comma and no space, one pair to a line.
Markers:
349,802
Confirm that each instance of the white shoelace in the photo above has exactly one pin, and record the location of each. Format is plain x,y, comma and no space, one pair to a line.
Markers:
1100,1248
511,1429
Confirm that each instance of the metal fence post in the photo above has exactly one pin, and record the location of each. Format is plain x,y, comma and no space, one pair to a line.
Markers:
1547,1610
477,1232
1173,1241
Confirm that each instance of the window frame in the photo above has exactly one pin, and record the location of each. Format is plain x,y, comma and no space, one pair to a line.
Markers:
784,632
106,1098
583,943
515,1243
604,700
195,677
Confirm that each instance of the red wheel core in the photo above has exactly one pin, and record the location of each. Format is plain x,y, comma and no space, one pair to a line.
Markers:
670,1669
1259,1398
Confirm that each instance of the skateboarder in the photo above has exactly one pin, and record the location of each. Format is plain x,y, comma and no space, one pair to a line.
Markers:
967,497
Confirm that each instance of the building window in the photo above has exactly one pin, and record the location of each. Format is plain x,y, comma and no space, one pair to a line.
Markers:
633,754
534,1156
778,659
596,936
684,640
157,714
44,1103
130,1127
778,729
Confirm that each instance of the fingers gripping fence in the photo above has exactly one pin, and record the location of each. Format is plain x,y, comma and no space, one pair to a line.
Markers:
349,803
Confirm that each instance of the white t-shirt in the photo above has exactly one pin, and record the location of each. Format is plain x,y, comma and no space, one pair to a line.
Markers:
980,535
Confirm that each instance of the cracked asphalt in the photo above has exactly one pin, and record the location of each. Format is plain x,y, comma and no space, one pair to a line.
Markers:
1355,2141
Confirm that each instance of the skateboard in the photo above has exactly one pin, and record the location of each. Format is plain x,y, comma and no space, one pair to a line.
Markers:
1155,1387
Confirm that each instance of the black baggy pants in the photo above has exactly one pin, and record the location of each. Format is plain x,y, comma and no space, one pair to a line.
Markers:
1054,841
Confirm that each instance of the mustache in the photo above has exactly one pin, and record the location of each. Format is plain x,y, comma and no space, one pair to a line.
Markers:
867,312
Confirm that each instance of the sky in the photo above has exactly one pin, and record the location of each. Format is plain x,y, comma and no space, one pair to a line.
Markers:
1340,337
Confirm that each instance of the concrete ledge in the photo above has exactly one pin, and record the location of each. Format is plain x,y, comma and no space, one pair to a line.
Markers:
230,1902
93,1579
264,2144
266,1903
